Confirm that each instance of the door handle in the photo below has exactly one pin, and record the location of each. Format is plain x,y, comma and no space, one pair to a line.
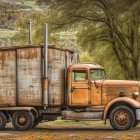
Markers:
73,88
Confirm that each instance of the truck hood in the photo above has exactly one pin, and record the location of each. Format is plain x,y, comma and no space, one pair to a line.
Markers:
120,83
112,88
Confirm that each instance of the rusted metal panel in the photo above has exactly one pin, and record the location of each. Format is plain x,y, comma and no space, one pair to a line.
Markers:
35,46
29,76
96,95
78,91
7,78
85,65
72,58
127,100
56,76
81,115
21,74
59,59
110,93
51,110
69,57
80,94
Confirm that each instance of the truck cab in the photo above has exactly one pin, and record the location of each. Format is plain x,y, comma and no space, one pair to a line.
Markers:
88,86
84,82
91,96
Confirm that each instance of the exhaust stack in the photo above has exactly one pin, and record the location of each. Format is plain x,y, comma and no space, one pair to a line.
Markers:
30,32
45,86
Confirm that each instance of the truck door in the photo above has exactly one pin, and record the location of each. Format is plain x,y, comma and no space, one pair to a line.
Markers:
80,89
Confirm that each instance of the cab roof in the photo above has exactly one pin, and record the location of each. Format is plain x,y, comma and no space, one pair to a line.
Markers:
86,65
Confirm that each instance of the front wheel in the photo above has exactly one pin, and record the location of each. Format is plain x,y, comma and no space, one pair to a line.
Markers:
122,118
22,120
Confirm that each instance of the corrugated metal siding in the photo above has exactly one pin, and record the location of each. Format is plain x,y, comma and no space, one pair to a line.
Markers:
56,76
58,61
29,76
72,58
7,78
24,65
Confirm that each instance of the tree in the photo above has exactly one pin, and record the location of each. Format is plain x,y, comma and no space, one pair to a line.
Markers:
98,23
38,21
8,13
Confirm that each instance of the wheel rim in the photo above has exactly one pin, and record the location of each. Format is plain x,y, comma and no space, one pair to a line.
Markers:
121,118
22,120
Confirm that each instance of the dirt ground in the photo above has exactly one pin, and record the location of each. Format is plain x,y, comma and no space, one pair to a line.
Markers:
70,130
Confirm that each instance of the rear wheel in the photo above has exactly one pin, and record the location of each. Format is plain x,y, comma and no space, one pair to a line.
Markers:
3,120
36,122
122,118
22,120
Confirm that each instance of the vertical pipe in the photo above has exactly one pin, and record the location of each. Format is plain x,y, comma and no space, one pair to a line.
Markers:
46,51
65,80
30,32
45,97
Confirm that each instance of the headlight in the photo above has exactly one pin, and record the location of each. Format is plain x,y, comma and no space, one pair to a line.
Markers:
136,94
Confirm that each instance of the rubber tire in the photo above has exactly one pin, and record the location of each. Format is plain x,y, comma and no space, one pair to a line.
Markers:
30,120
136,123
36,122
4,120
131,118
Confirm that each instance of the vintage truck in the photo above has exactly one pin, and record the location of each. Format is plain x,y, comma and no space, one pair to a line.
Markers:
38,85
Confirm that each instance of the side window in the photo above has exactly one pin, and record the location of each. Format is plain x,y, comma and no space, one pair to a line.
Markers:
79,75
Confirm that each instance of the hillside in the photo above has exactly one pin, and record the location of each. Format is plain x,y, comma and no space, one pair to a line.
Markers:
24,4
10,10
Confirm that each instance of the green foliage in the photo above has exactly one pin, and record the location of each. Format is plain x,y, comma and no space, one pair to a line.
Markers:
98,23
107,31
8,14
4,33
85,57
5,36
10,11
39,19
101,56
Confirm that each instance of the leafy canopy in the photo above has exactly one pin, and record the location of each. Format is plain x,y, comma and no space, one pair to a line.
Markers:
101,23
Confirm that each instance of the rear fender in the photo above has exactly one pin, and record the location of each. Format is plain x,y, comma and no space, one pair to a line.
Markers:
19,109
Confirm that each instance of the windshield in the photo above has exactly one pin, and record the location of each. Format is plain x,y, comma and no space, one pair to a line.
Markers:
97,74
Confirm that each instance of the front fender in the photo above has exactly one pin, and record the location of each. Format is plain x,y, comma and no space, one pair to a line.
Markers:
127,100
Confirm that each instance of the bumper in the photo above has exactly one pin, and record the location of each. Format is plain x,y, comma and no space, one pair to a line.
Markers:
138,114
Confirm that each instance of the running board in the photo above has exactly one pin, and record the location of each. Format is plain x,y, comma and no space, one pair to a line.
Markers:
71,115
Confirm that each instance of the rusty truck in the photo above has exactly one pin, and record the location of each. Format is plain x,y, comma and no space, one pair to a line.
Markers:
72,90
42,82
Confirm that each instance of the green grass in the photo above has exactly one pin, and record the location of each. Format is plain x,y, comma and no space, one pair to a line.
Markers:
31,4
4,33
70,123
73,124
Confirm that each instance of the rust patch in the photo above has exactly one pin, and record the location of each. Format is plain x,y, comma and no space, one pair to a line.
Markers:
28,53
29,76
7,78
45,82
